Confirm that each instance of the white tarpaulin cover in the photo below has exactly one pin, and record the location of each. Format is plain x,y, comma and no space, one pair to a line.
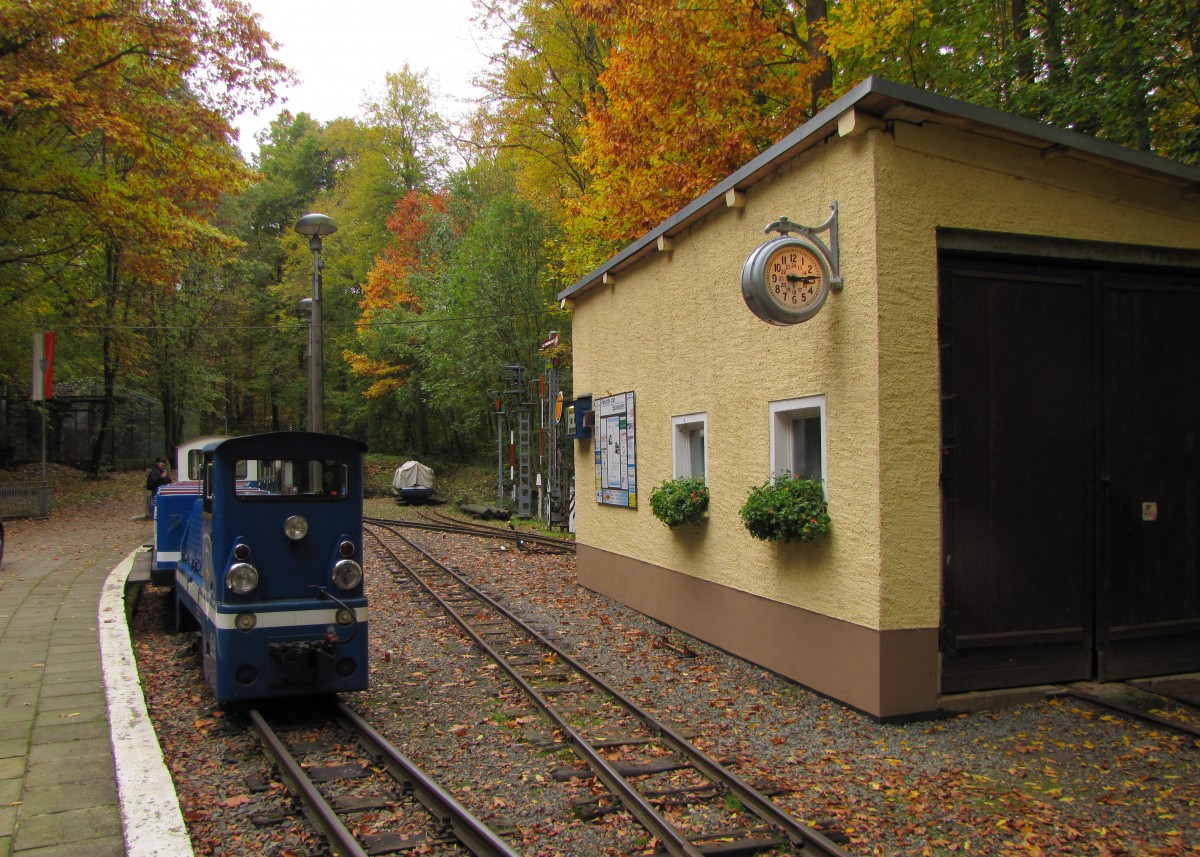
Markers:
412,476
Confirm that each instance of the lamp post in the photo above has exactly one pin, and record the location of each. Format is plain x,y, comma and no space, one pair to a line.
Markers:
315,226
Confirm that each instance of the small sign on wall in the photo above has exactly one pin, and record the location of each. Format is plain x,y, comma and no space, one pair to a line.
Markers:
616,461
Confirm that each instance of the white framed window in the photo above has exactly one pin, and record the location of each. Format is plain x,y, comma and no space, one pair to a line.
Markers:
798,437
689,451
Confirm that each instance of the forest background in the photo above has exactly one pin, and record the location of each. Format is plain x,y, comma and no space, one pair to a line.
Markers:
133,226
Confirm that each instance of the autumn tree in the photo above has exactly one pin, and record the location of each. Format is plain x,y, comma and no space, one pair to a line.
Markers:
413,137
540,86
404,159
128,129
117,146
390,352
692,90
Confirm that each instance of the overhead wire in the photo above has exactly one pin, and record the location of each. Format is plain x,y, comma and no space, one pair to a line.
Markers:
299,324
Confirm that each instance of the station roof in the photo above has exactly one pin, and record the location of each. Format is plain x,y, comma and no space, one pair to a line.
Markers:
887,101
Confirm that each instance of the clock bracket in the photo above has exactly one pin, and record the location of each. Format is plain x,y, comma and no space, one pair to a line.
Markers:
783,226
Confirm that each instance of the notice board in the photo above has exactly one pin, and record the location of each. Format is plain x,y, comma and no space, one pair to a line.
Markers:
616,446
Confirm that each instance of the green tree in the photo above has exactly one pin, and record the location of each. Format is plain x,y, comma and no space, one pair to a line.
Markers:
1126,71
298,160
491,306
413,137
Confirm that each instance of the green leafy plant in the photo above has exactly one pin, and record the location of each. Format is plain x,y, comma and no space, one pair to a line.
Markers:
677,502
789,509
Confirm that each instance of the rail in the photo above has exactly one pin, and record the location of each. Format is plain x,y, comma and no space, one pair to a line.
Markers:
449,819
485,618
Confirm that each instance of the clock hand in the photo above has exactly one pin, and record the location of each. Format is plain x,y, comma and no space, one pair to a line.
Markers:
796,278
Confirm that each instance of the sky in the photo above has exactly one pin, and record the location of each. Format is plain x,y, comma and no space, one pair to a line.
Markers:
342,49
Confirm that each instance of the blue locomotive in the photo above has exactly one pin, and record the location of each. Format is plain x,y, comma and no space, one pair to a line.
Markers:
270,567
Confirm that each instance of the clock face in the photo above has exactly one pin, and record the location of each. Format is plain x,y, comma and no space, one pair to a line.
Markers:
794,277
786,280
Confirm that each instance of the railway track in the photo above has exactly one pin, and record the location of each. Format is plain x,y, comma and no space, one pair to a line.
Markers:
383,796
1163,710
445,524
690,803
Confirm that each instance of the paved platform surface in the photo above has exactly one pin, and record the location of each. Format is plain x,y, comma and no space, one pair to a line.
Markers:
64,767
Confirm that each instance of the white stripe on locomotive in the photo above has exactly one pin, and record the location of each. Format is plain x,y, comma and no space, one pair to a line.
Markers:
315,618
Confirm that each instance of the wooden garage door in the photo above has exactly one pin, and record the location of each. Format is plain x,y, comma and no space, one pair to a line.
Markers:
1071,477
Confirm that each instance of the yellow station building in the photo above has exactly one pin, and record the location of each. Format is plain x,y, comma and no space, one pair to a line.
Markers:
1000,395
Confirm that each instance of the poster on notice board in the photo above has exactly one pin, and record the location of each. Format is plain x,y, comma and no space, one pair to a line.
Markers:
615,448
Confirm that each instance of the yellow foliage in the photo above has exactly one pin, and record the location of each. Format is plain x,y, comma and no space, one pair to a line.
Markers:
872,27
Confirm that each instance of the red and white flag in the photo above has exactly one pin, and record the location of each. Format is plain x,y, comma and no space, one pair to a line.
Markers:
43,366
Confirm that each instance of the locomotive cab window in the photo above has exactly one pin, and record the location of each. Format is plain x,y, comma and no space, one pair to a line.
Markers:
195,464
327,479
206,477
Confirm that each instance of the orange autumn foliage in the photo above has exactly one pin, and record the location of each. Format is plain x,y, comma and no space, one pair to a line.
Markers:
692,91
387,283
389,287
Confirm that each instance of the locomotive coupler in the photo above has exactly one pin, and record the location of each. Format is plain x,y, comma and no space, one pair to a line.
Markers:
303,661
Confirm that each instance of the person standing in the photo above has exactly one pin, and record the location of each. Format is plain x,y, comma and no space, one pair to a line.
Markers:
156,477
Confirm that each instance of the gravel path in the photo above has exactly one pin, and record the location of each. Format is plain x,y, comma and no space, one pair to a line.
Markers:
1055,777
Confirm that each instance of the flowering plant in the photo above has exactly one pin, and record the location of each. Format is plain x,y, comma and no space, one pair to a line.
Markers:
790,509
679,501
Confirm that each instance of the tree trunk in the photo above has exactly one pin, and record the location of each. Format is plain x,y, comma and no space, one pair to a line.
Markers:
110,359
1022,45
815,12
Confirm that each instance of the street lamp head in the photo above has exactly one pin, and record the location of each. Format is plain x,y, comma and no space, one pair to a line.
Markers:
315,225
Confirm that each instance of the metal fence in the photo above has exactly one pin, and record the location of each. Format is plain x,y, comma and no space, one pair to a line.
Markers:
24,500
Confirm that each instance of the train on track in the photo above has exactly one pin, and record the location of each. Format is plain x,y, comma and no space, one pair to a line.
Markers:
263,544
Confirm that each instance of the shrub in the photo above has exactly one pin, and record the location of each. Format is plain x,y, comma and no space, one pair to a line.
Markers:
789,509
679,501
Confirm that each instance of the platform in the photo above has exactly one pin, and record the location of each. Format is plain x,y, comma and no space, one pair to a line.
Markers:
73,778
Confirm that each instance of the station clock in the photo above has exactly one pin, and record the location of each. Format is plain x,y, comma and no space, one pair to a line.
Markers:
787,279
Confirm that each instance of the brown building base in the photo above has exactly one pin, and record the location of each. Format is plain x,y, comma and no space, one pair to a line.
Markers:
883,673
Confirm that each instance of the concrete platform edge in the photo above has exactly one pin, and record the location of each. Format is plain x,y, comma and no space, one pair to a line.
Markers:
150,814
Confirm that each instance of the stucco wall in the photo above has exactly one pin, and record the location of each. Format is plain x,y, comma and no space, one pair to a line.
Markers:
674,329
680,336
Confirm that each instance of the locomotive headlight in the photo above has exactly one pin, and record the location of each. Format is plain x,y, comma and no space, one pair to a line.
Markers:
346,549
347,574
241,578
295,528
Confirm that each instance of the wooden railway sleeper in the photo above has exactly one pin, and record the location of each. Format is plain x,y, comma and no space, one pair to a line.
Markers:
474,834
751,799
315,806
670,838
